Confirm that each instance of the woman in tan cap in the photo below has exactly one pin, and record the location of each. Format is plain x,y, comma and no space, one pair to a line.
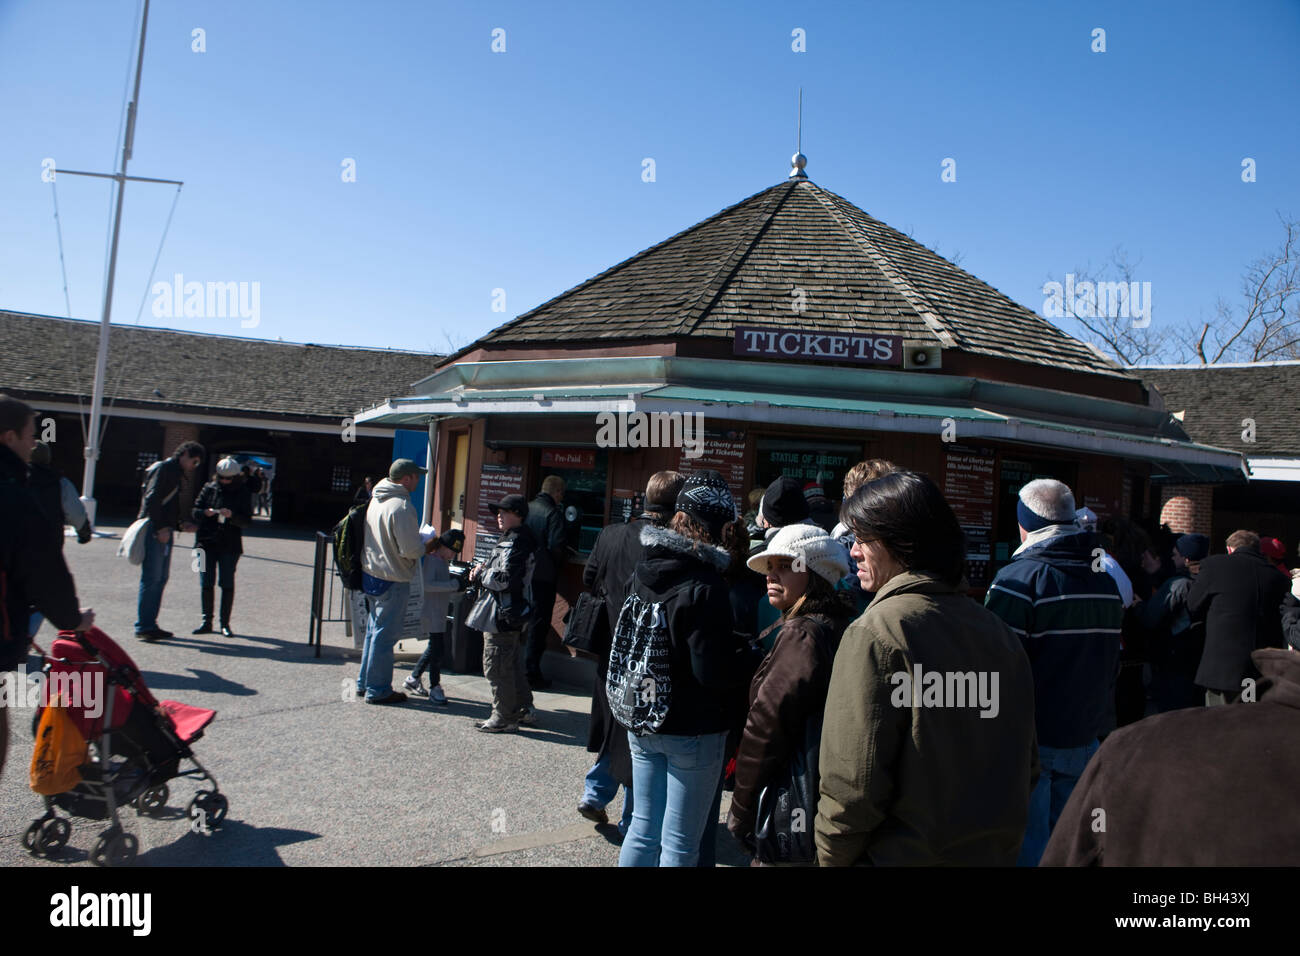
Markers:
788,693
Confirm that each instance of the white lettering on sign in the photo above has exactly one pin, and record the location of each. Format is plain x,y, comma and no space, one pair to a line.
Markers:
796,343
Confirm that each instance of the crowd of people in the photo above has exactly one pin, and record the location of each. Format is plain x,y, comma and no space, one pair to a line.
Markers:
839,680
884,717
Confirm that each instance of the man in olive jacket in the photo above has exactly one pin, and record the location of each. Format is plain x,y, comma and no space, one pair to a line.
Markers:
911,775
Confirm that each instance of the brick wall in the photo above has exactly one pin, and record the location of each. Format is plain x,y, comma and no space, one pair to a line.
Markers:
173,434
1187,509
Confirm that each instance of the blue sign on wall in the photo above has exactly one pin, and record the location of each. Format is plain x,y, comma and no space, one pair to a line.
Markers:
415,446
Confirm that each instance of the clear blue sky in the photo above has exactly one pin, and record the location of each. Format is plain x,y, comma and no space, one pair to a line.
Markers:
522,170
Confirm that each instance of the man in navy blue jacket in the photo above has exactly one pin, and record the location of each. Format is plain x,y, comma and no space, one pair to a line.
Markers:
1066,610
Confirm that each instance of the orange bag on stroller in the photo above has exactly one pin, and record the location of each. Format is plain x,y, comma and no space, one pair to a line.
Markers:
60,752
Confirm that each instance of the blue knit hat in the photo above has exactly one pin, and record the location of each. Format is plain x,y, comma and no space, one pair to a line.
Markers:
1030,519
1193,547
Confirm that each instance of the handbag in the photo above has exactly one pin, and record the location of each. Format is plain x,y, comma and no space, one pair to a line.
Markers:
135,537
483,615
587,624
786,807
133,541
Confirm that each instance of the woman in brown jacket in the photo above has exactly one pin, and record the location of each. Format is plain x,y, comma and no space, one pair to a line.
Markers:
802,563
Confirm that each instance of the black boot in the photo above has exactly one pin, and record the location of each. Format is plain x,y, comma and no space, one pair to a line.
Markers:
205,595
227,602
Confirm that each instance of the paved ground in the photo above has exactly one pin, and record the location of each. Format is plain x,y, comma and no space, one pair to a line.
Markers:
314,776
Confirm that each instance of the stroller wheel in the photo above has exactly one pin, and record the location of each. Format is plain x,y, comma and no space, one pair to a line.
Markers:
152,801
207,810
54,835
114,848
31,839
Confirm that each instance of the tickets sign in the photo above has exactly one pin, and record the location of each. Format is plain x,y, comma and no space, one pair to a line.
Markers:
861,349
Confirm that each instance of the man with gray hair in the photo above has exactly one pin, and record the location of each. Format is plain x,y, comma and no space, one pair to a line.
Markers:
1057,597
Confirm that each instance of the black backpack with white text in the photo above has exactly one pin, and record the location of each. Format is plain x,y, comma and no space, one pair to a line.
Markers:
639,682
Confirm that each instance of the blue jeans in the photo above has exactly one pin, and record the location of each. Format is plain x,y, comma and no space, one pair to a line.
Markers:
674,779
1060,770
153,578
383,629
600,787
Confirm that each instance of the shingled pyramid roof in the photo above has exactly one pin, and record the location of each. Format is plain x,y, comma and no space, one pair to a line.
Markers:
740,267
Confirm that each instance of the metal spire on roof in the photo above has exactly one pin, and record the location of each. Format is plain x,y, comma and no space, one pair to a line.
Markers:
798,161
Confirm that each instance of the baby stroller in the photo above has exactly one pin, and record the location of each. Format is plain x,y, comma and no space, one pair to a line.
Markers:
135,745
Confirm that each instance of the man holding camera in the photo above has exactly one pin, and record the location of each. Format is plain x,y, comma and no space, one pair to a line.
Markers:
507,576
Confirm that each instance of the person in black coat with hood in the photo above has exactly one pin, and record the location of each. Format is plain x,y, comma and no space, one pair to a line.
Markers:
613,558
673,661
1239,596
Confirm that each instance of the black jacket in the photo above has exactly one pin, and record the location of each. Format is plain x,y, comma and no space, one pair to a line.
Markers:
157,501
31,562
546,522
1291,621
1176,643
47,490
613,558
707,660
506,574
1238,596
223,537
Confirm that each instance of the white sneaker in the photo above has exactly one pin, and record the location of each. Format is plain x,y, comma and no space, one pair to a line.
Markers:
414,687
437,696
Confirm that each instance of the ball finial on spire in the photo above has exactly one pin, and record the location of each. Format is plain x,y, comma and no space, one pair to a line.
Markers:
797,162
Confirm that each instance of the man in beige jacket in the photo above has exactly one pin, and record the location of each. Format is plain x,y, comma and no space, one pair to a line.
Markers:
391,552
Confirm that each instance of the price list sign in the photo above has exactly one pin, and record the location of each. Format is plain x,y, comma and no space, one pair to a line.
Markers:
969,485
724,452
494,483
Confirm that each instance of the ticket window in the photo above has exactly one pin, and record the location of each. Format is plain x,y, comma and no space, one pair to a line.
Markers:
585,472
820,464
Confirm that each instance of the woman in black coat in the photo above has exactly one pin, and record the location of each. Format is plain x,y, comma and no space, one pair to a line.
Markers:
224,506
673,661
613,558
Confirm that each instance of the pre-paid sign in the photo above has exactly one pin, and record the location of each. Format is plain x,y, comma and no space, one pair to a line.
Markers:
802,344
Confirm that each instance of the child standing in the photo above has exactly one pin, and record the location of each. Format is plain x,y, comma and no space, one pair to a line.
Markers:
438,588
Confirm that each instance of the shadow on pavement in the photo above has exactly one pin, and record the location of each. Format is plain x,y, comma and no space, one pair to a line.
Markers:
296,651
206,681
235,844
